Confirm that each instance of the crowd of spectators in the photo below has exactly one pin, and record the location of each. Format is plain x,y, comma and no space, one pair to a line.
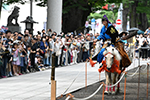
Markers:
19,53
25,53
143,40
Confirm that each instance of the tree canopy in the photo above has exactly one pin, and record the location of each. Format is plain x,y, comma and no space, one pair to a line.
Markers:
137,10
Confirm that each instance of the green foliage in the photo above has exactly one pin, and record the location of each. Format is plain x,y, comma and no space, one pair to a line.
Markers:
110,14
148,16
143,6
95,16
42,3
79,4
14,1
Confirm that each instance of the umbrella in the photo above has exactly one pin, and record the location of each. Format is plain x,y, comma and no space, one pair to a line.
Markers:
133,29
120,35
140,32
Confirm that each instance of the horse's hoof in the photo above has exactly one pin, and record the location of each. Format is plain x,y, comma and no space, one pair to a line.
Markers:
113,93
106,93
118,91
110,92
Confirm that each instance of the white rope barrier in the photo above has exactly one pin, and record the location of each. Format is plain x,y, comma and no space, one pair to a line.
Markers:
97,90
102,85
145,67
137,71
73,80
133,73
88,96
117,81
67,98
105,86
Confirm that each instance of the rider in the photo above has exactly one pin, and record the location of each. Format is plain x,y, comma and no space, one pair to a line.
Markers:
108,33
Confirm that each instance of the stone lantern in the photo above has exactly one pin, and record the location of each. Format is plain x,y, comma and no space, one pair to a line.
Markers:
29,24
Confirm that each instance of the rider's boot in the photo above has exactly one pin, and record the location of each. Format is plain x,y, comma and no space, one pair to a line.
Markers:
92,62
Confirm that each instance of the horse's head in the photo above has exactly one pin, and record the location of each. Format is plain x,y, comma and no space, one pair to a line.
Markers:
109,60
110,54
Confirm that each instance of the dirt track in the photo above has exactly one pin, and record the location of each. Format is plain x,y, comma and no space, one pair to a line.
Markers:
131,89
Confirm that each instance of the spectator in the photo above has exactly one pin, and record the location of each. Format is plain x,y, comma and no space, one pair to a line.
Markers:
9,64
44,48
28,58
16,60
58,44
49,32
143,43
147,31
33,52
85,48
43,33
2,67
148,40
26,32
26,41
67,47
40,63
50,51
23,59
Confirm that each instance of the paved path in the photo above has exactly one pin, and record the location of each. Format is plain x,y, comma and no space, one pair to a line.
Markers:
35,86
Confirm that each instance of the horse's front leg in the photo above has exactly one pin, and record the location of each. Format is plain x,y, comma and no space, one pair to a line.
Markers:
114,75
108,82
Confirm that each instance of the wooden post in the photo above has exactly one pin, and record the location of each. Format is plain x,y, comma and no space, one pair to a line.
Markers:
103,90
147,79
53,82
139,83
86,73
53,67
125,86
53,90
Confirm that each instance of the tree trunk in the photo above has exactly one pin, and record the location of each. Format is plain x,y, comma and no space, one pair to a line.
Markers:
143,21
125,15
133,15
75,19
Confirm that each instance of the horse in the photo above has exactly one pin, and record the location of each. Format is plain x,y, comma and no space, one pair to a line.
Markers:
111,65
111,55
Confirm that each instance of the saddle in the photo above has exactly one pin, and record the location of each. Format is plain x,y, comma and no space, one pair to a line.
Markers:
125,62
125,58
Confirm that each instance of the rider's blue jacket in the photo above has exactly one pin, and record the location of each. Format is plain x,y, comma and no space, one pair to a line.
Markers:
102,33
103,36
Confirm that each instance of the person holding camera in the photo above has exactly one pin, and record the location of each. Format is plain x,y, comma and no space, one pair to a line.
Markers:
143,43
147,31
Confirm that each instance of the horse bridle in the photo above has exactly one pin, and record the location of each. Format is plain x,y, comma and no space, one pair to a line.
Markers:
109,53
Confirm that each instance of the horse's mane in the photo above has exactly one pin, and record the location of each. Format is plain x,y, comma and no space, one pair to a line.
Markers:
113,51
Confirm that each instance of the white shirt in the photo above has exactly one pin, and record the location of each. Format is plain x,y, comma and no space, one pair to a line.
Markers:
141,40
